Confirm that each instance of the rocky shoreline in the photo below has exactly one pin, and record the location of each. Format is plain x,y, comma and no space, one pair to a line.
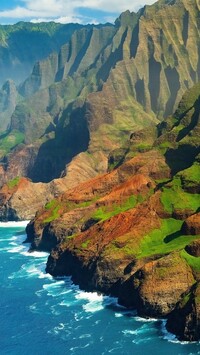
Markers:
157,287
130,252
132,232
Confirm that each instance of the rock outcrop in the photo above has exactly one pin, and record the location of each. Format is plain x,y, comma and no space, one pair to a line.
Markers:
185,319
192,225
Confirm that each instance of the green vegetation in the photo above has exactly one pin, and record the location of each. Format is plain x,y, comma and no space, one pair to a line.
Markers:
86,203
13,183
162,147
162,181
103,213
143,147
51,204
85,244
173,197
68,237
188,100
185,299
55,207
10,141
191,176
54,214
193,261
166,239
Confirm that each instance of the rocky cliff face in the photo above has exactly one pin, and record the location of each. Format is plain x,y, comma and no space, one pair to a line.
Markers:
134,232
107,81
22,44
8,101
184,320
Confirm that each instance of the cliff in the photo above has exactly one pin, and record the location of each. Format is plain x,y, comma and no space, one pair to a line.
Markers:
106,81
134,231
24,43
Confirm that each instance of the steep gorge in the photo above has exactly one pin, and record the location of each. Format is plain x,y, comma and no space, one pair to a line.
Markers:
108,81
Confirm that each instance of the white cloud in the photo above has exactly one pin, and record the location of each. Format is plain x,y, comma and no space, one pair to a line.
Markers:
115,6
69,10
63,20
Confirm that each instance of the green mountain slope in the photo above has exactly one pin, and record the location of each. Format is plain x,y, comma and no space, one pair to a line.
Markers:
133,232
107,81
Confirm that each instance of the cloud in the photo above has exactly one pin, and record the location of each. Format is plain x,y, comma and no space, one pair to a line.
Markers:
63,20
68,10
117,6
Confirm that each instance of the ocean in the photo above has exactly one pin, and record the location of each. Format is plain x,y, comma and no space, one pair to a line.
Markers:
44,315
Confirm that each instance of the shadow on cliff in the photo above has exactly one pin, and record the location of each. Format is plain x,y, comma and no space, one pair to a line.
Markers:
169,238
71,138
181,158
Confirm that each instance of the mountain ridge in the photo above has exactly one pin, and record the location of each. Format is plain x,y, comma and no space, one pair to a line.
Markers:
102,72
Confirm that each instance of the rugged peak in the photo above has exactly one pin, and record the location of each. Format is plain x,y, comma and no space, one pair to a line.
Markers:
104,78
8,85
148,11
127,18
8,99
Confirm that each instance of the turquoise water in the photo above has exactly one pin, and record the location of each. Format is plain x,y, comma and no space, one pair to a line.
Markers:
43,315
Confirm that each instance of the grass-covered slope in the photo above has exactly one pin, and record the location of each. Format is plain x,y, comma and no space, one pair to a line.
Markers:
135,231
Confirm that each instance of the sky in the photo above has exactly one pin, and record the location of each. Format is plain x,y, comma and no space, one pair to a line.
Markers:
65,11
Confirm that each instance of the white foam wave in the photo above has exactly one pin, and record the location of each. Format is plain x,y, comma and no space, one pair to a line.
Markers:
35,254
95,301
30,270
65,303
55,310
89,296
93,306
60,329
130,332
139,331
4,249
116,350
13,224
56,330
172,337
118,315
33,270
44,275
142,340
53,289
146,320
53,285
39,293
8,239
17,249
